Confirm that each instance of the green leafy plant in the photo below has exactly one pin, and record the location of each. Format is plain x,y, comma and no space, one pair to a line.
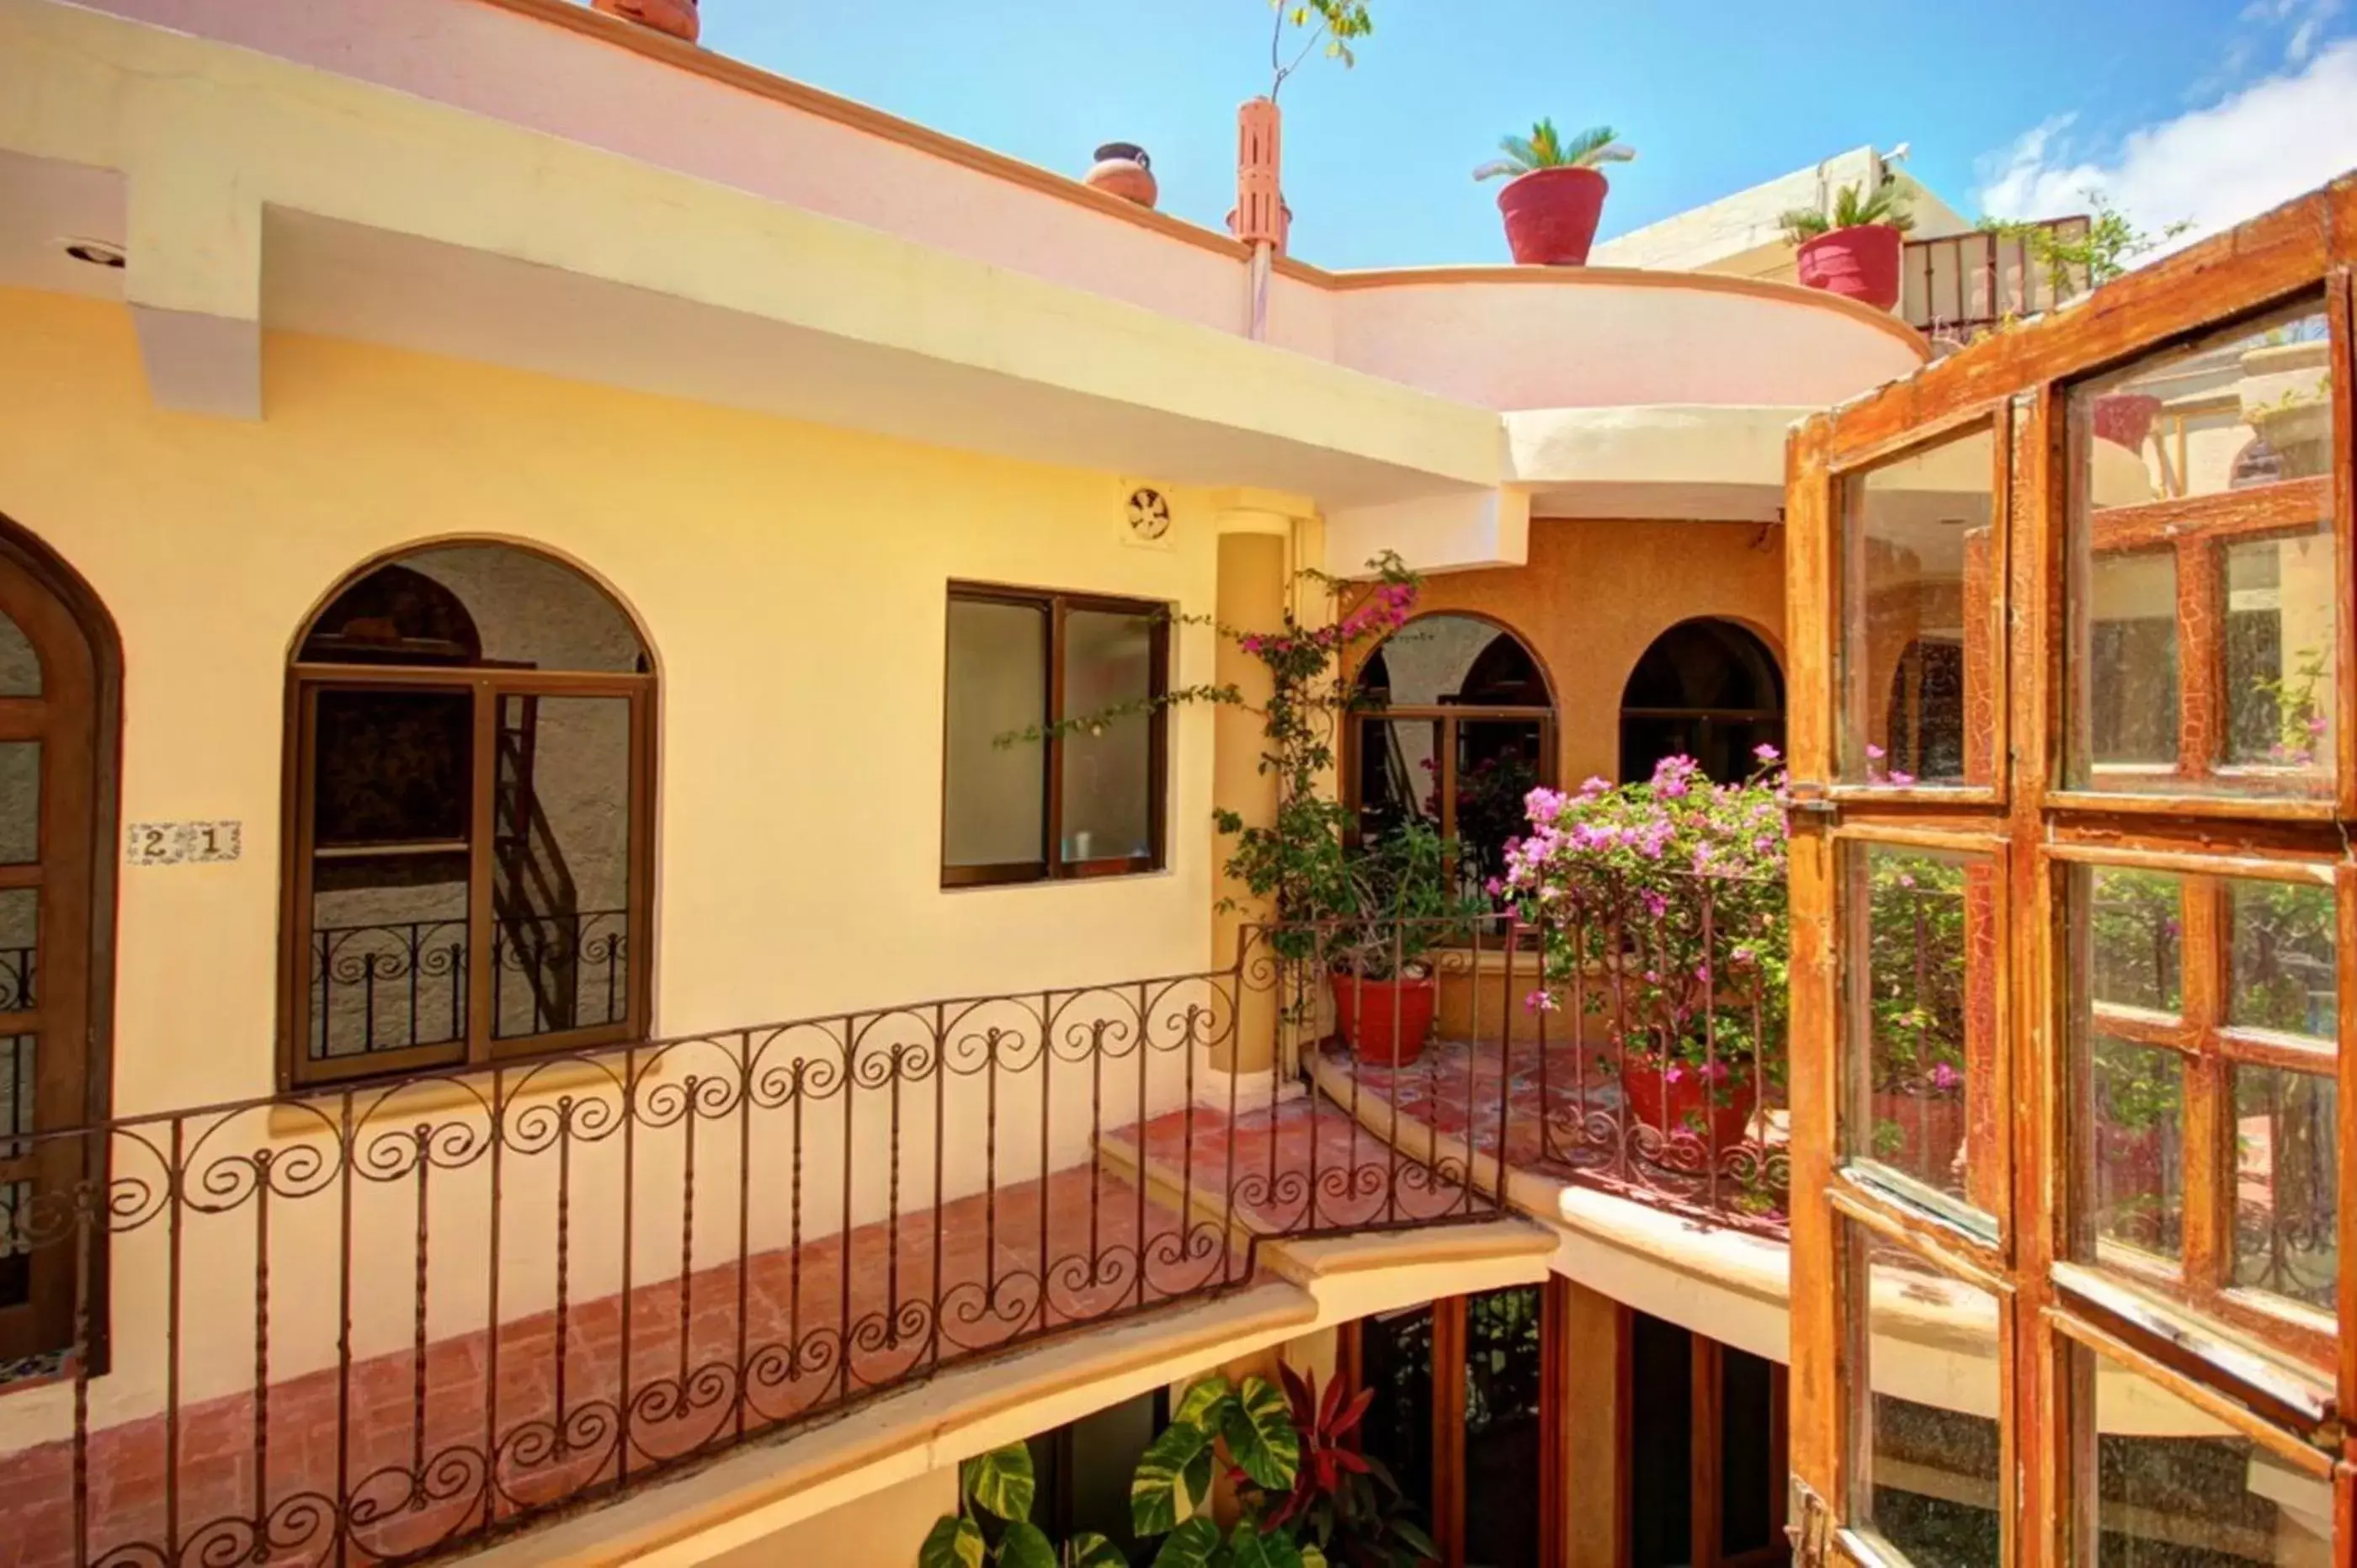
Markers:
999,1484
2105,250
1403,899
1344,1500
1854,208
1335,24
1245,1431
1545,148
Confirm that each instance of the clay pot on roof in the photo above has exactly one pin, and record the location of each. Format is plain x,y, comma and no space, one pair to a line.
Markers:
1123,169
675,17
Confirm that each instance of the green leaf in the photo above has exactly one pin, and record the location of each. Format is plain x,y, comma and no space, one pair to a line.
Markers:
1200,1407
1025,1545
1311,1557
1089,1550
955,1541
1248,1548
1173,1476
1260,1438
1195,1544
1000,1481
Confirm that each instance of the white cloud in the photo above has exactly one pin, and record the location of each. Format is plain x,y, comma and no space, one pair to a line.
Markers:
2211,168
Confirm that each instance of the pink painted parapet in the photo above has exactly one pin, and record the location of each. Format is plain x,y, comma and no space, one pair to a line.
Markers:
1490,334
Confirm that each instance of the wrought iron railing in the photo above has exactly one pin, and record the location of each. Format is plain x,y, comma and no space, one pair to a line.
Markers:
1959,286
392,986
401,1317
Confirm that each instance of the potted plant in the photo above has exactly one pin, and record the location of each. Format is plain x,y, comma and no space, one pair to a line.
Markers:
1555,192
1853,251
1671,890
1402,899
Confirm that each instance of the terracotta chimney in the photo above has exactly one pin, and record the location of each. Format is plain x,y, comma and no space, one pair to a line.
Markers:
676,17
1260,217
1123,169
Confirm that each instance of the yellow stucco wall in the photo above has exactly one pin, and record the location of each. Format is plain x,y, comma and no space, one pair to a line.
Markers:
791,581
1595,595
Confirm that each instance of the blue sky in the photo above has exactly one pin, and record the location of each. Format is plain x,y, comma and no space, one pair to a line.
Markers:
2203,109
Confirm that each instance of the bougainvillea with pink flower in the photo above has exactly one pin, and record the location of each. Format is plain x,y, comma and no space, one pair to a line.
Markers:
1669,897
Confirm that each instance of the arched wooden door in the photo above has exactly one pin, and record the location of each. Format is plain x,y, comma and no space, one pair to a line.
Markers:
56,784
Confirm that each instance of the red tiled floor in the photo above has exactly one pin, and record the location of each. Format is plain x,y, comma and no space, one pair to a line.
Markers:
473,1432
1562,1117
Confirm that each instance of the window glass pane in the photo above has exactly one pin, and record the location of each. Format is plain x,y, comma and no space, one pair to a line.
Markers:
1461,661
20,913
2287,1210
997,795
1923,1432
2156,555
19,1079
1109,769
1399,775
1918,627
391,803
2137,939
1501,1425
2175,1488
1395,1363
561,866
1921,1016
1498,763
2279,641
2282,965
20,802
20,667
15,1250
2131,665
477,604
2132,1137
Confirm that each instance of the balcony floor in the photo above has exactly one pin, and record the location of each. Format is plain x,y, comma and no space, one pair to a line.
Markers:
478,1430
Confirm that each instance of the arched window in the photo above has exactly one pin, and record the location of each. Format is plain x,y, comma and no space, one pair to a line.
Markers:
1706,689
60,677
470,818
1453,724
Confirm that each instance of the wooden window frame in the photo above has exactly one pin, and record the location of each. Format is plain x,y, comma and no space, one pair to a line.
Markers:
2281,258
479,1048
1058,607
1449,717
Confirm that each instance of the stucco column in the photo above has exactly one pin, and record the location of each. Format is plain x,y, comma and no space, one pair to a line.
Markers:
1255,566
1591,1455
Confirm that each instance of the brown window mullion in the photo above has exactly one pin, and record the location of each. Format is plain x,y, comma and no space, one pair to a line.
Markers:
2201,656
1052,833
482,938
2209,1127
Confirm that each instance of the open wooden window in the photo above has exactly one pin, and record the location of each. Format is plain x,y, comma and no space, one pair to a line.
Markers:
1026,796
469,800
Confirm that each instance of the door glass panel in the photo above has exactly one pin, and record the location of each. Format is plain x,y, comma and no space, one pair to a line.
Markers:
1396,1364
1921,1016
15,1248
19,1069
393,824
2287,1210
2132,1136
1108,769
1918,618
20,667
2175,1488
20,802
1924,1423
1502,1427
2282,958
2204,628
2136,936
995,812
20,952
561,865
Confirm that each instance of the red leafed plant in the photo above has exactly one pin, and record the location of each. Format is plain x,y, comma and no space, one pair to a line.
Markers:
1344,1501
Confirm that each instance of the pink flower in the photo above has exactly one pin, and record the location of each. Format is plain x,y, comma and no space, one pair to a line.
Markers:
1945,1077
1540,1001
1873,752
1902,779
1594,785
1765,753
1674,1073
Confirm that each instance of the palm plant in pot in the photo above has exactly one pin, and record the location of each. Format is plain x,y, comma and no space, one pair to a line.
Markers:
1554,191
1853,250
1403,898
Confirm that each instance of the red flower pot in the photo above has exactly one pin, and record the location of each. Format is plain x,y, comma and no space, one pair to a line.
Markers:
1719,1111
1385,1022
2124,419
1860,263
676,17
1551,215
